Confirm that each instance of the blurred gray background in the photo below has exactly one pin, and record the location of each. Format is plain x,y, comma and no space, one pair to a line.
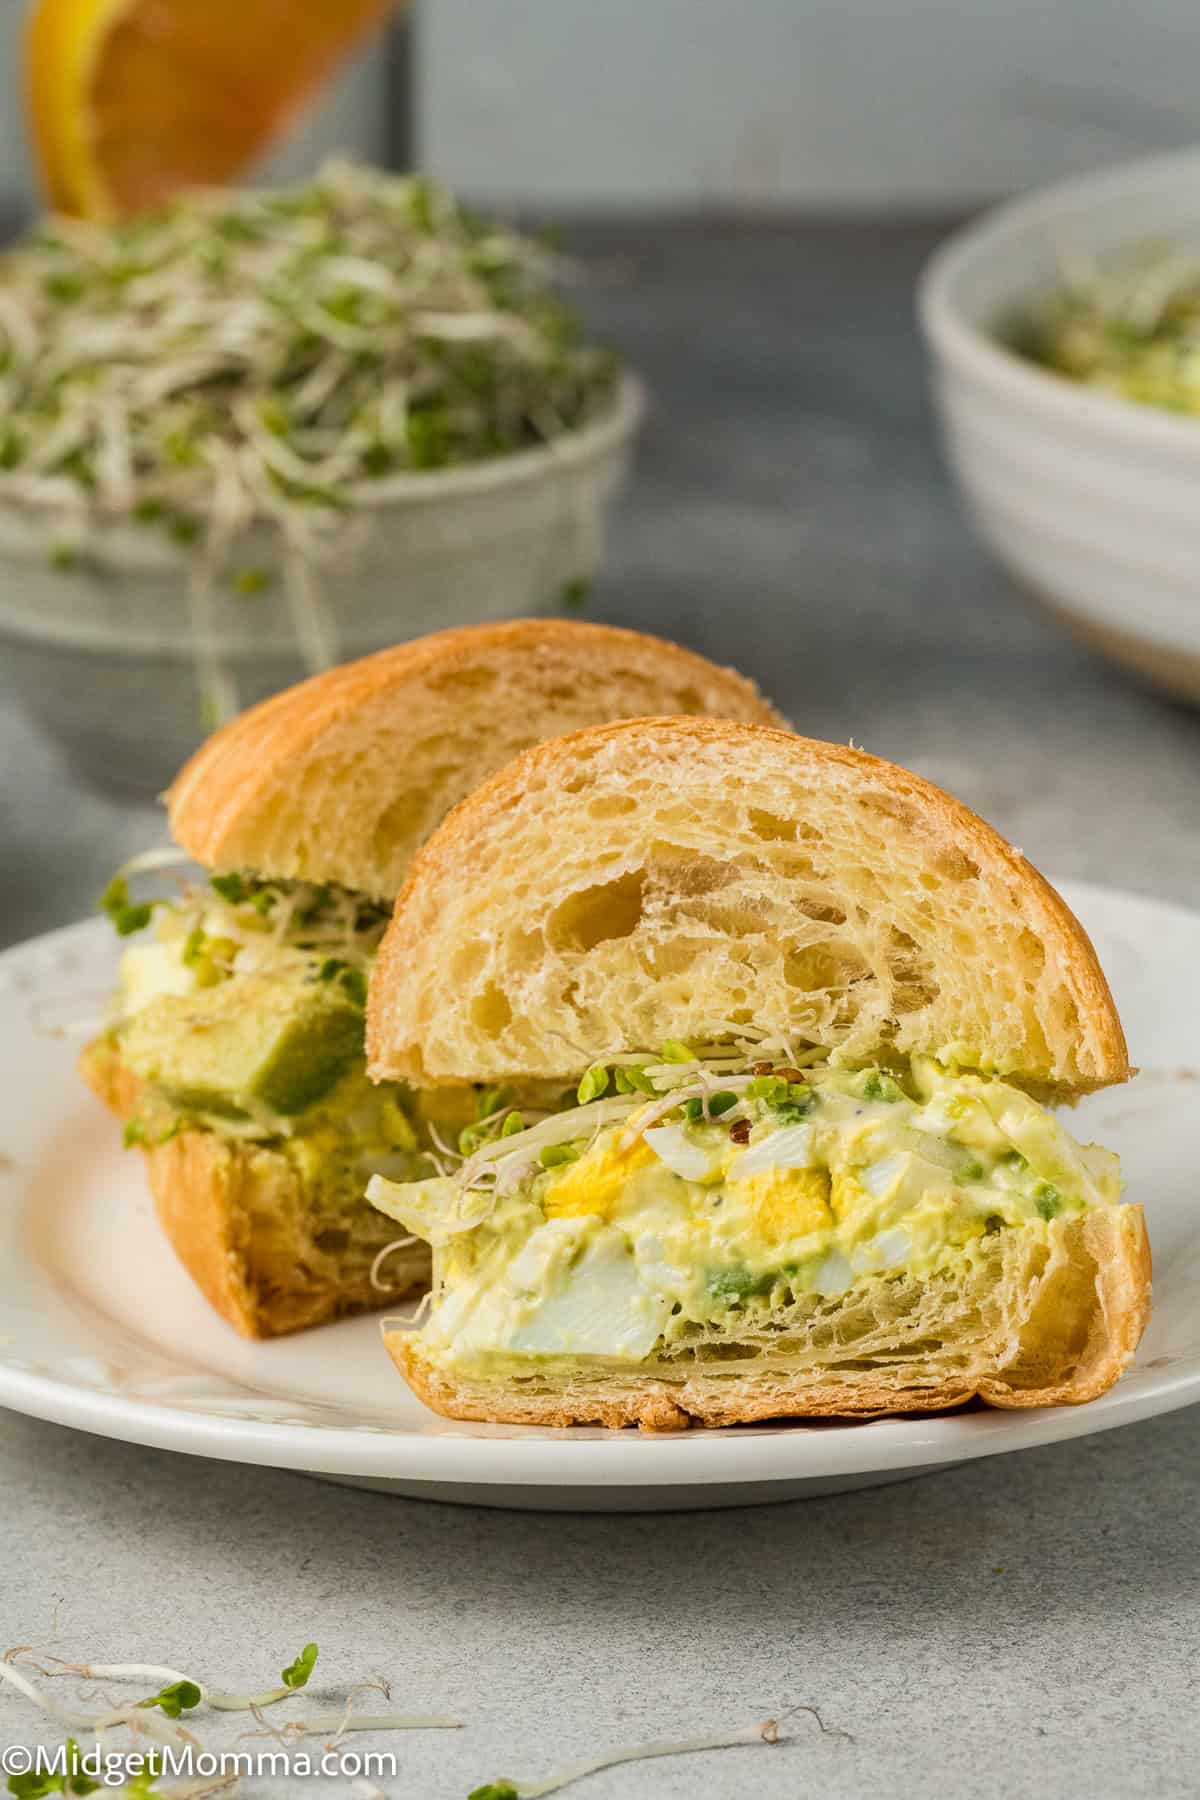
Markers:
815,103
771,103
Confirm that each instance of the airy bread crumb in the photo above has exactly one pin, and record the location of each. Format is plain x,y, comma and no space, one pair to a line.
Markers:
687,878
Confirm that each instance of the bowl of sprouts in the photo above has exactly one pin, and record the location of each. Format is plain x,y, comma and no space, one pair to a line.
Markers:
259,432
1064,333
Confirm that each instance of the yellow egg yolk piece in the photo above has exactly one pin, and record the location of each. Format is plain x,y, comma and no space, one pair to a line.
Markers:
785,1203
594,1183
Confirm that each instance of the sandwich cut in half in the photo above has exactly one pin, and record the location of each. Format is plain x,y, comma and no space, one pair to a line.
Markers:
811,1010
235,1046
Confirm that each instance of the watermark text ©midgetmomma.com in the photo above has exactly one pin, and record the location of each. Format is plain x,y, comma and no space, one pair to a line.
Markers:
112,1768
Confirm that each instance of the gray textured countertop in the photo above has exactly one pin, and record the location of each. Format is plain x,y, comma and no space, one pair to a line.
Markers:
1027,1624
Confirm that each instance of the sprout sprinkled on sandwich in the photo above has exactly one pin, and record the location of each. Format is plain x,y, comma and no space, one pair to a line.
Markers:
739,1188
834,1184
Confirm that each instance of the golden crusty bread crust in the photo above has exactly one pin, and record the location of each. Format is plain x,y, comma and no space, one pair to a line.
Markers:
234,1215
339,779
1061,1327
672,878
342,777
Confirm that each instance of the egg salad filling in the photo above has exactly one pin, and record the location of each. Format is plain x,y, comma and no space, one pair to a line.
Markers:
682,1197
243,1013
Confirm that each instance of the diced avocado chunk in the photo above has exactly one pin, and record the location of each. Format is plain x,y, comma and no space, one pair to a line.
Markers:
309,1059
244,1045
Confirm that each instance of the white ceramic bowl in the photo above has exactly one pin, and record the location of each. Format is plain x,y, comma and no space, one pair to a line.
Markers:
1092,501
101,654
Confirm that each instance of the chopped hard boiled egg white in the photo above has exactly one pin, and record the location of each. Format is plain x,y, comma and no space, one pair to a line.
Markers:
684,1156
598,1306
148,970
794,1193
789,1148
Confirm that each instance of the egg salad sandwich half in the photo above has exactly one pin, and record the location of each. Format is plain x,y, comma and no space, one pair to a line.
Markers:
812,1012
235,1047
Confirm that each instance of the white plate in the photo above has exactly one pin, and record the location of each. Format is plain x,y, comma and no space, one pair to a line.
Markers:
100,1328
